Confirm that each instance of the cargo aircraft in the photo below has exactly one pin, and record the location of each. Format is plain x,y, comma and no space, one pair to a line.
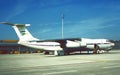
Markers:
59,46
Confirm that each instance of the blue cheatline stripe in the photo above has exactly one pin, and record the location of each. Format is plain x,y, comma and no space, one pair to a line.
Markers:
44,45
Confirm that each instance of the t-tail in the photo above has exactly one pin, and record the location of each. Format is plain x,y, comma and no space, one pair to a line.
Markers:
23,34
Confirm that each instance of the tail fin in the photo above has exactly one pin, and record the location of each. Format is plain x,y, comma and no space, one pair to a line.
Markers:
22,32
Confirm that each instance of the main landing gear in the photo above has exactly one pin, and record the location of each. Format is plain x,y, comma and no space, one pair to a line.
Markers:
97,50
58,53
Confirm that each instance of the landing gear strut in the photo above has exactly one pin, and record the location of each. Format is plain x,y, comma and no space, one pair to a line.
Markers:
58,53
96,49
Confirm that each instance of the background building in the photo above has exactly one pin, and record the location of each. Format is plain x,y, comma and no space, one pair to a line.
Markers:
11,47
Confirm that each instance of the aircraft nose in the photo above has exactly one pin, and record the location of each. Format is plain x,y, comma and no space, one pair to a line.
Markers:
112,44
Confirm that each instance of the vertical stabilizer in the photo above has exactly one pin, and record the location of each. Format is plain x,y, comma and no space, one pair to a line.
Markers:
22,32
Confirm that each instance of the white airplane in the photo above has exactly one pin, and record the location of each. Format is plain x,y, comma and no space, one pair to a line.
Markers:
59,46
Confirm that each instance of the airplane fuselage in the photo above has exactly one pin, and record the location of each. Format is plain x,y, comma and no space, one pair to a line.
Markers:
59,45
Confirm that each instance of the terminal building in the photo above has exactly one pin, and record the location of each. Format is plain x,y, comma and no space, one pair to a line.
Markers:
11,47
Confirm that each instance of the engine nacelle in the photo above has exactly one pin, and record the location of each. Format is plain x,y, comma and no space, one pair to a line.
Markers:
72,44
83,44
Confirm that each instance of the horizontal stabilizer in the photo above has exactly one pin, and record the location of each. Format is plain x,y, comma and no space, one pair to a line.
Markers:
14,24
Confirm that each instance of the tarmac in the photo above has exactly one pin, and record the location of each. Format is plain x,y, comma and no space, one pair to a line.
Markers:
77,64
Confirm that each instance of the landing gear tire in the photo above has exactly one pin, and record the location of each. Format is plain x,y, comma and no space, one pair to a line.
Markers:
102,51
97,51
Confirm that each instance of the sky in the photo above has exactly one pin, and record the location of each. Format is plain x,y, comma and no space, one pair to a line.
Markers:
82,18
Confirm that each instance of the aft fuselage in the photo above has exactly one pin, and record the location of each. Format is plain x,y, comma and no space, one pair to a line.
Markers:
50,46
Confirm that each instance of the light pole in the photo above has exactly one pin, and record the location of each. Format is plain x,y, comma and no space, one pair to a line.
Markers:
62,26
